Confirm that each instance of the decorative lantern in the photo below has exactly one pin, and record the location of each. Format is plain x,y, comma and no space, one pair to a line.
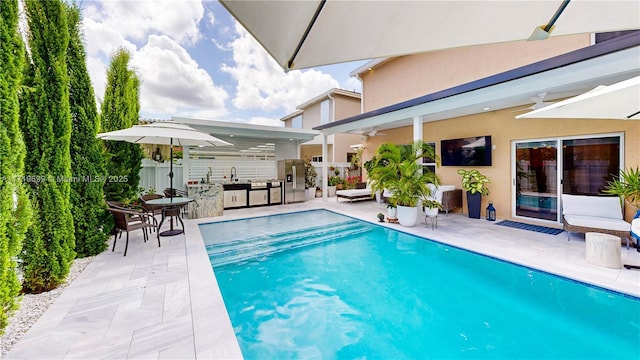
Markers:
157,156
491,212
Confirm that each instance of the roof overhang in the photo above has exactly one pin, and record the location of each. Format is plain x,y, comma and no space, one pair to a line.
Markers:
225,130
562,76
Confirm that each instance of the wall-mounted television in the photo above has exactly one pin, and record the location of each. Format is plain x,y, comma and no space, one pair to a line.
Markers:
471,151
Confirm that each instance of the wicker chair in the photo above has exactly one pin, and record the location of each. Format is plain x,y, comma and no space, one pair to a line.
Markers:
130,220
172,192
155,210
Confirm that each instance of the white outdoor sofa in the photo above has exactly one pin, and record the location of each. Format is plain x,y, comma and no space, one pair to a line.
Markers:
354,194
583,214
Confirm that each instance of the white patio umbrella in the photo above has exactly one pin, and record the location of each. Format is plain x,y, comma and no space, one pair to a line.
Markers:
620,101
164,133
303,34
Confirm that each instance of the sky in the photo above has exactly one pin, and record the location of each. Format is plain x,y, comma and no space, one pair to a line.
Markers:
195,60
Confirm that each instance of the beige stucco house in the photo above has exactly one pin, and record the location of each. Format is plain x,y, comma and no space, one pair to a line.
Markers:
477,91
332,105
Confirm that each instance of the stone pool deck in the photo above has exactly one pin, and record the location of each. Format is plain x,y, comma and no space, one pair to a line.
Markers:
164,303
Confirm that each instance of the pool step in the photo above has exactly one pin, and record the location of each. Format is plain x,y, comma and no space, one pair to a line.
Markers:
258,246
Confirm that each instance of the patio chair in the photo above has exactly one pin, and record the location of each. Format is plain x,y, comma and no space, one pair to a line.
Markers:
131,207
154,209
173,192
130,220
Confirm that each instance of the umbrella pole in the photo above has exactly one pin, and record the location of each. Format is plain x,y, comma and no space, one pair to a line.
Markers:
171,170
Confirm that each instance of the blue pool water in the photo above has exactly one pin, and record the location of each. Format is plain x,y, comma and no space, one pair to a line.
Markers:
296,287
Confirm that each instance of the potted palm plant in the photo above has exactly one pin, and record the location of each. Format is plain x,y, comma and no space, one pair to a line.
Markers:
626,186
473,182
404,176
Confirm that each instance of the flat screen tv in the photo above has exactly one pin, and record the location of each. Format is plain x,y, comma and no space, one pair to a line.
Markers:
471,151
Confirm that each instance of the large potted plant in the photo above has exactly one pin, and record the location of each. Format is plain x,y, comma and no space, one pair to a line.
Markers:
473,182
332,182
310,175
398,169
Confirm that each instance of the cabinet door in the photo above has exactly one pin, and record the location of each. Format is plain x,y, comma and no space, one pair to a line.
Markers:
235,198
257,197
241,197
275,195
229,197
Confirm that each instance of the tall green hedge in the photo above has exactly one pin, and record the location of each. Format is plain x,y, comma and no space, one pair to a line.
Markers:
120,110
46,124
90,217
14,205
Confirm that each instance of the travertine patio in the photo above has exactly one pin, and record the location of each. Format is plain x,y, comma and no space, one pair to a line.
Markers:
165,303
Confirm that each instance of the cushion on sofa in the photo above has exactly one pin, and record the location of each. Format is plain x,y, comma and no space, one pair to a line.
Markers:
598,222
595,206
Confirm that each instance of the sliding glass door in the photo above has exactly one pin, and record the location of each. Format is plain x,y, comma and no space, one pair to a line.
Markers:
545,169
588,164
536,179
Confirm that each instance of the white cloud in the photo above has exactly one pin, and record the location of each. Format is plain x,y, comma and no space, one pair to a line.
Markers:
172,80
263,85
353,84
137,19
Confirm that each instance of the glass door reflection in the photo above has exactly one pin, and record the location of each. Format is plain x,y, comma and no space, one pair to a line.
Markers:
537,179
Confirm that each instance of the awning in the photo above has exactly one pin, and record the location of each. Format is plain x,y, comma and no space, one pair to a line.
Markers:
617,101
302,34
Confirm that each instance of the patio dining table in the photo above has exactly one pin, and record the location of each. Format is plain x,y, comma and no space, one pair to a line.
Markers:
171,206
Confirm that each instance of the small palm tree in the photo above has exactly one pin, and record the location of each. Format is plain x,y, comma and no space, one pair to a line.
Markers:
626,186
398,169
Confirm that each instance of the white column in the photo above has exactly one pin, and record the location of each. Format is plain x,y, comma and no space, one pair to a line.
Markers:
325,152
417,128
186,164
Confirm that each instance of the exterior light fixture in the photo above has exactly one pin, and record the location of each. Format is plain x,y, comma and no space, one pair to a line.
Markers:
157,155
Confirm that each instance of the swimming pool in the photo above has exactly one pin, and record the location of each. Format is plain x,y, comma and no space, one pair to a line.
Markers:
378,293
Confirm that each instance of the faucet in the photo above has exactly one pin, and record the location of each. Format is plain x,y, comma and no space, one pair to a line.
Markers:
233,173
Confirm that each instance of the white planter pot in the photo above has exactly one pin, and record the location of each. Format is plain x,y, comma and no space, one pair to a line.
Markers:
378,197
407,216
311,193
392,212
431,212
331,191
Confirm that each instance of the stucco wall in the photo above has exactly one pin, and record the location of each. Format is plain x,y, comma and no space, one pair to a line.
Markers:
346,106
408,77
504,128
311,116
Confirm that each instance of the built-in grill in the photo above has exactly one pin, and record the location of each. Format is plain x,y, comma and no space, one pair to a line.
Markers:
258,185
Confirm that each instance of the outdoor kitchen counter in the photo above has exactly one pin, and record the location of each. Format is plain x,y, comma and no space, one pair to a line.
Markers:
208,200
252,193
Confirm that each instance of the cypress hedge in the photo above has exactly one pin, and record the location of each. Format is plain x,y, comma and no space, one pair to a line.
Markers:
46,124
15,212
120,110
90,217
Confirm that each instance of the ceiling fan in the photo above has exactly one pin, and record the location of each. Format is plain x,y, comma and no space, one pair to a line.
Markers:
370,132
538,102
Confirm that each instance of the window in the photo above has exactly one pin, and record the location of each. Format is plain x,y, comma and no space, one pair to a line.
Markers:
588,164
316,158
324,112
296,122
429,163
